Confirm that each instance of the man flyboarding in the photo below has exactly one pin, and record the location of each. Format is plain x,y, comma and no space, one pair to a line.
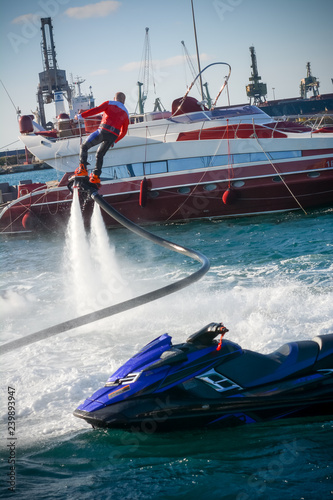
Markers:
111,130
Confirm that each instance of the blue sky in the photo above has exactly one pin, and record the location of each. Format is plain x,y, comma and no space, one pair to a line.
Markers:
102,42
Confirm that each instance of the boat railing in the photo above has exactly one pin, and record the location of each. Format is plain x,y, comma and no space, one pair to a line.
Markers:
160,129
313,121
317,123
223,130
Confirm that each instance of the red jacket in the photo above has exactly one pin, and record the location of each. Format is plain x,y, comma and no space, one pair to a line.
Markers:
115,117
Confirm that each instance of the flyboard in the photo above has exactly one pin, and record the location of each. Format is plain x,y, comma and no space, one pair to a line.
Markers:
89,190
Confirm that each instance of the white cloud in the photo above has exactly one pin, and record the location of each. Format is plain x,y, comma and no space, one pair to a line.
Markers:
23,19
135,65
100,72
100,9
161,63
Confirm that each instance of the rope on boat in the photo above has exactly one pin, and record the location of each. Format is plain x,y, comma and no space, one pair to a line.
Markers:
127,304
279,174
191,194
225,83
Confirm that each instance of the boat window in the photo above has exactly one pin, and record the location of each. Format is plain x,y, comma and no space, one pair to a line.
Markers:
313,175
155,167
210,187
130,170
199,162
258,157
115,172
153,194
184,190
236,158
216,161
277,155
108,173
241,158
188,163
137,169
158,167
123,171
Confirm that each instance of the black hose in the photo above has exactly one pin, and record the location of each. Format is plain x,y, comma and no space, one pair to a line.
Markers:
127,304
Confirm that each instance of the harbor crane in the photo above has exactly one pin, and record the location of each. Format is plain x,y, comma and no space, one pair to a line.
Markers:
52,81
256,89
309,83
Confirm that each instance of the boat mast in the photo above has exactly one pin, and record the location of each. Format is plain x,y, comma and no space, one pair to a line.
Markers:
144,70
197,49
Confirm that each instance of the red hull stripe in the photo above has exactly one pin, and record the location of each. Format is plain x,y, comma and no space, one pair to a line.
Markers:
242,131
317,152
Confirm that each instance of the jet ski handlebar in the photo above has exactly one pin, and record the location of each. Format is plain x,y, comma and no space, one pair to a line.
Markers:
206,335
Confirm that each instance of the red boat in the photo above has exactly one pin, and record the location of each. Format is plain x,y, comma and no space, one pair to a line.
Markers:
191,163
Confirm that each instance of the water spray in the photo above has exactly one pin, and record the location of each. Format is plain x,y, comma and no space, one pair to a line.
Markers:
88,189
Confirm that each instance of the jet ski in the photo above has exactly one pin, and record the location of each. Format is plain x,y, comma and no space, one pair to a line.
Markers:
206,382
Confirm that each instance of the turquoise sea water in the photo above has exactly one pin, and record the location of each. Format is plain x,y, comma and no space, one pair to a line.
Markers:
270,282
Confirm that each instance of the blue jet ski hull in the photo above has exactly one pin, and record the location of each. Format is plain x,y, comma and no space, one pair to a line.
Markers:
201,384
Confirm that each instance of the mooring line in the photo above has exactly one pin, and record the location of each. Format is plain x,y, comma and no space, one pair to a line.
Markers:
279,174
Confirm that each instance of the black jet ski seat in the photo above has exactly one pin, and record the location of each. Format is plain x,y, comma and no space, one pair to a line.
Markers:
252,368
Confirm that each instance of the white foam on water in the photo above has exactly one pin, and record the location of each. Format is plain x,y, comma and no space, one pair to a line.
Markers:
53,377
263,306
15,301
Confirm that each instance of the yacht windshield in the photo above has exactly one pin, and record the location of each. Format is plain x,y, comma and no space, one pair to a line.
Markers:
217,113
192,117
236,111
